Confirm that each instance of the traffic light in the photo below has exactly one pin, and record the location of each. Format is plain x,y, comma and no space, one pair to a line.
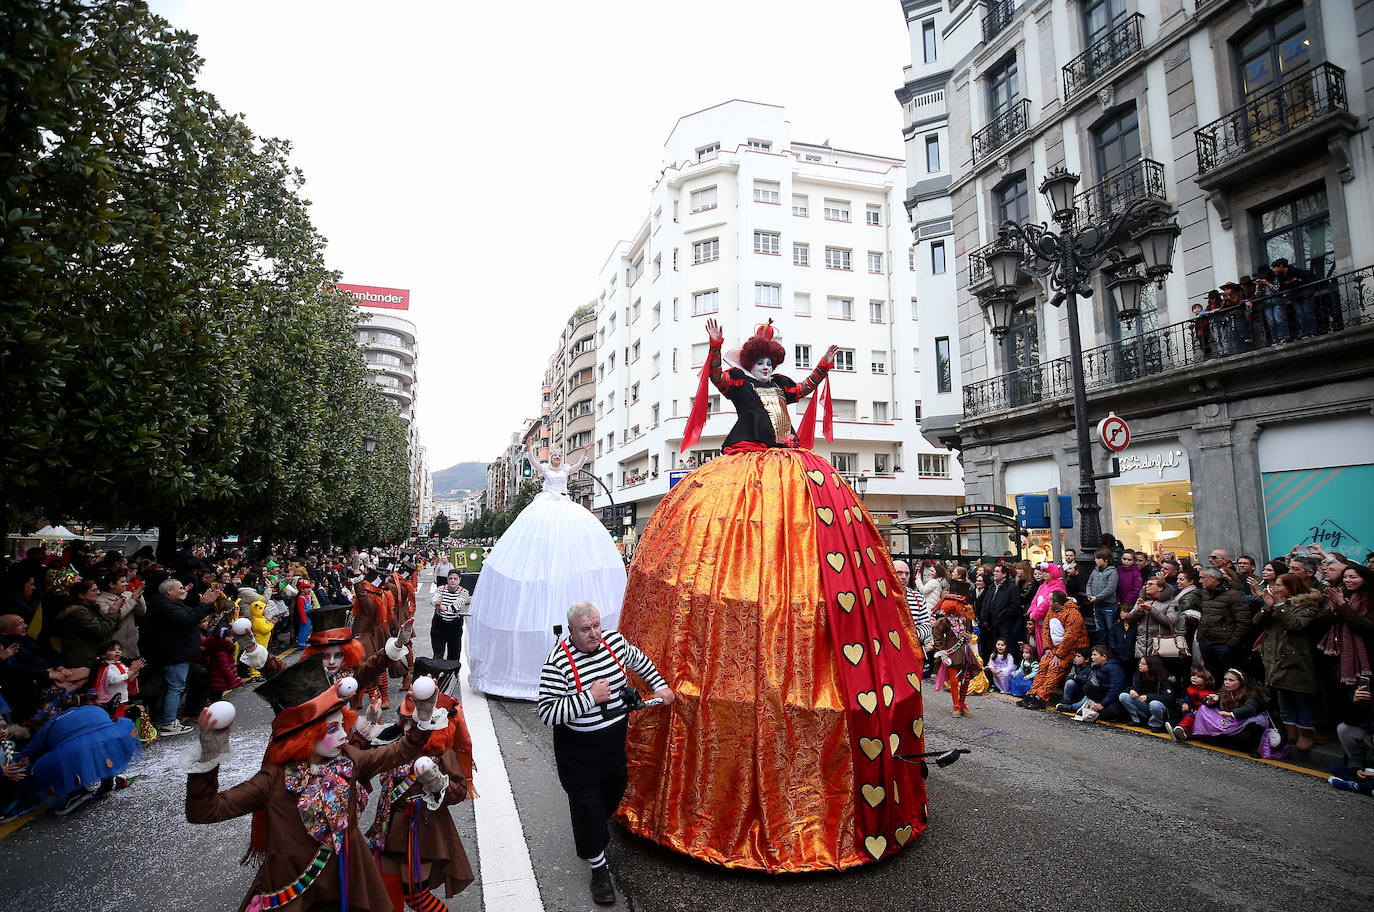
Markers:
526,470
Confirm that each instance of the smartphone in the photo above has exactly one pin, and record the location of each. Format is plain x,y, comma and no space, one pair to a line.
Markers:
1361,681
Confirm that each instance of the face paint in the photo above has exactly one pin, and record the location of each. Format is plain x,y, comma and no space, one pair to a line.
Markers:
333,659
335,736
762,369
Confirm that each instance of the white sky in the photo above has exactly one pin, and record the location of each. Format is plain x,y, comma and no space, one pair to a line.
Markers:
487,156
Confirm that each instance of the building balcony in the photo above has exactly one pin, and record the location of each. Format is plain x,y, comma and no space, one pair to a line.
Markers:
1120,44
1104,201
978,272
402,396
373,320
1199,349
1307,111
1011,123
403,350
998,17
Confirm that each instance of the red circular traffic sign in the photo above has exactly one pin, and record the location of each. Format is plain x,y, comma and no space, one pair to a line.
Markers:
1114,433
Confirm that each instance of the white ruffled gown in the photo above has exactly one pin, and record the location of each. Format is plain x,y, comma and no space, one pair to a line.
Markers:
554,555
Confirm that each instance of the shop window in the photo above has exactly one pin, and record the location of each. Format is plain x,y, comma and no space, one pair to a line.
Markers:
1298,230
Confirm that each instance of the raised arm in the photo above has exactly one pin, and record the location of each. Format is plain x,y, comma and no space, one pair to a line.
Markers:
813,381
716,336
576,464
533,456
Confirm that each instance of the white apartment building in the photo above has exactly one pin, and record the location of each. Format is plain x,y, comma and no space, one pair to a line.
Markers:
1249,123
745,225
390,347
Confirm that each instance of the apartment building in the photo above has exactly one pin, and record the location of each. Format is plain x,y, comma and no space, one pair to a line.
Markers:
746,225
1249,122
568,398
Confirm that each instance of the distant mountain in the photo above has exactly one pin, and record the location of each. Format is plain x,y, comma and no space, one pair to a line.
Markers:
465,476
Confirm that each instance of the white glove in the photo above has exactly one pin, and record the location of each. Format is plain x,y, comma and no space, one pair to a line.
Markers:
254,657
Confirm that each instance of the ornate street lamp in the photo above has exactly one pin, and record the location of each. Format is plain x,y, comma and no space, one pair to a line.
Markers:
369,444
1125,286
1058,187
861,484
1157,249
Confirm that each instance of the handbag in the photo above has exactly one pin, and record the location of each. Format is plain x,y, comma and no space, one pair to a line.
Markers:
1170,647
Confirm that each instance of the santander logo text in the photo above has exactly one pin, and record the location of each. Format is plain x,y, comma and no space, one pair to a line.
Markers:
377,297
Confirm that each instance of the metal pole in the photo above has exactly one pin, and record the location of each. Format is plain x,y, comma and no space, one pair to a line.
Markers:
1090,523
1056,546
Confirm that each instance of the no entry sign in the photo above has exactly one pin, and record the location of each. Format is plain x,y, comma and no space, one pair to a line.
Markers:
1114,433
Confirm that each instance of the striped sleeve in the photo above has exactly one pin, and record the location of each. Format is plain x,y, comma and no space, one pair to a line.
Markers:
634,658
559,700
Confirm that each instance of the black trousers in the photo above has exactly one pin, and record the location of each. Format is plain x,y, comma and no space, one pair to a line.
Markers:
591,769
446,636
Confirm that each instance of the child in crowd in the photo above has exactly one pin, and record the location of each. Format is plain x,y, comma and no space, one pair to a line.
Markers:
1201,686
115,682
1079,672
262,629
1001,666
217,652
1023,678
16,797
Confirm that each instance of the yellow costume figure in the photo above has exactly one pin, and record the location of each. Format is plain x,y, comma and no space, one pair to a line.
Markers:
262,628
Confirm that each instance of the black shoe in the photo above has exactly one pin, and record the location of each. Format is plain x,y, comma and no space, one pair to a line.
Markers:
1064,707
603,893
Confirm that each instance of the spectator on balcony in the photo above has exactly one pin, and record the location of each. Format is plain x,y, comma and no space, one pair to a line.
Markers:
1204,341
1291,281
1229,327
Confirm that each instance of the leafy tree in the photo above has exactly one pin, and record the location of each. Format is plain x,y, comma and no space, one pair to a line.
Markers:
440,527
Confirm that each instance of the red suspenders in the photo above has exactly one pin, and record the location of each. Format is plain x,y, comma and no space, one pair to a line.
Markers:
577,678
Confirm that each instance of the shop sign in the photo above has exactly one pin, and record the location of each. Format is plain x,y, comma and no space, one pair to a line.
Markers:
984,510
1163,463
676,475
1032,511
1327,506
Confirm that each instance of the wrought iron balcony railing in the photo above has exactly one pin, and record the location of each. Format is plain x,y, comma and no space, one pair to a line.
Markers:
1266,118
1120,44
1004,128
1318,308
1106,200
998,17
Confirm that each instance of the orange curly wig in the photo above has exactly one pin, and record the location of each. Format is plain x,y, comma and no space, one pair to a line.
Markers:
297,746
352,653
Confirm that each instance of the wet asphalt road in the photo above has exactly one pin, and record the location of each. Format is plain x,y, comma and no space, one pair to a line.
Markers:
1044,813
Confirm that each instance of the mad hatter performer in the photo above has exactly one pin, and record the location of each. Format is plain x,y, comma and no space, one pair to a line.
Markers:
555,554
306,798
413,836
762,583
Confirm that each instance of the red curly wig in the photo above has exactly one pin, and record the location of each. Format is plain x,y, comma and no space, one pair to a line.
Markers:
297,746
352,653
758,347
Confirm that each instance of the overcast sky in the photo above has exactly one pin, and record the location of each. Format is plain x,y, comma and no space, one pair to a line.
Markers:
487,156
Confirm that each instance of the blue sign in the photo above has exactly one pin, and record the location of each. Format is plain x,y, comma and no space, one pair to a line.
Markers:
1032,511
1328,507
677,475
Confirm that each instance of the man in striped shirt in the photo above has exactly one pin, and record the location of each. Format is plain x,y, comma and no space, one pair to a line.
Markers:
920,614
579,695
451,605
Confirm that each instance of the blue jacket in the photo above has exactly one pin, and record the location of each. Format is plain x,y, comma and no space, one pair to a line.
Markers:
1110,676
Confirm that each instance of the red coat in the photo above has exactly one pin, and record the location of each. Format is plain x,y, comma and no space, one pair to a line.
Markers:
218,655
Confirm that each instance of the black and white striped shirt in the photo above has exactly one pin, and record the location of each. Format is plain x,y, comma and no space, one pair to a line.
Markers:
562,702
448,605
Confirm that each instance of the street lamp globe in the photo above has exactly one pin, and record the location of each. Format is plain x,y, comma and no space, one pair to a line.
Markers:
1126,285
369,444
861,485
1157,249
997,307
1058,187
1004,263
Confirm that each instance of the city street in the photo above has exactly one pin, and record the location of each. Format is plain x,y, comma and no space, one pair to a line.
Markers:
1044,813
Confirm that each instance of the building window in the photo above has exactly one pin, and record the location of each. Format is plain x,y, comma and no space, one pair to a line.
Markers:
675,359
879,362
766,192
1117,143
879,410
937,257
699,352
634,393
658,313
915,310
873,215
943,377
705,251
802,355
634,352
916,411
845,462
713,405
1274,52
875,311
811,157
767,294
932,465
636,309
801,304
839,308
653,413
706,302
1299,230
882,462
709,150
837,258
928,40
655,362
658,265
1099,16
703,199
846,410
1011,200
768,242
837,210
801,254
799,207
761,145
1003,88
933,153
875,262
911,258
844,359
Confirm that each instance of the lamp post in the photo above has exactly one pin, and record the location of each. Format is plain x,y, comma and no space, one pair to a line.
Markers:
369,444
1067,258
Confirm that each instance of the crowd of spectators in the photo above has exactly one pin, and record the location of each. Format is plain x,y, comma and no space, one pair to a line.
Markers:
1279,303
145,641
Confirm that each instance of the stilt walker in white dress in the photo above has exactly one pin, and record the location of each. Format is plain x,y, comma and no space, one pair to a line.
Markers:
554,555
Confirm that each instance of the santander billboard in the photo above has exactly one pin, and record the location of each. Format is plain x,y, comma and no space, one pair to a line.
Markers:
376,297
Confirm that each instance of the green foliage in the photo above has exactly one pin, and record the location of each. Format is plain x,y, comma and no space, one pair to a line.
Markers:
440,527
492,523
172,346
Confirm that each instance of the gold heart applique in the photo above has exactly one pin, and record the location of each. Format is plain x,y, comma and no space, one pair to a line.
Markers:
836,560
914,679
903,834
847,600
888,694
869,551
894,741
876,846
854,652
858,559
918,727
868,596
868,699
835,478
896,797
826,515
871,747
896,640
817,476
877,647
882,587
873,794
847,518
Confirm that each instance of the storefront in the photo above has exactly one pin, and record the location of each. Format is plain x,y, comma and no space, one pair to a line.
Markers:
1318,484
1152,500
1035,476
